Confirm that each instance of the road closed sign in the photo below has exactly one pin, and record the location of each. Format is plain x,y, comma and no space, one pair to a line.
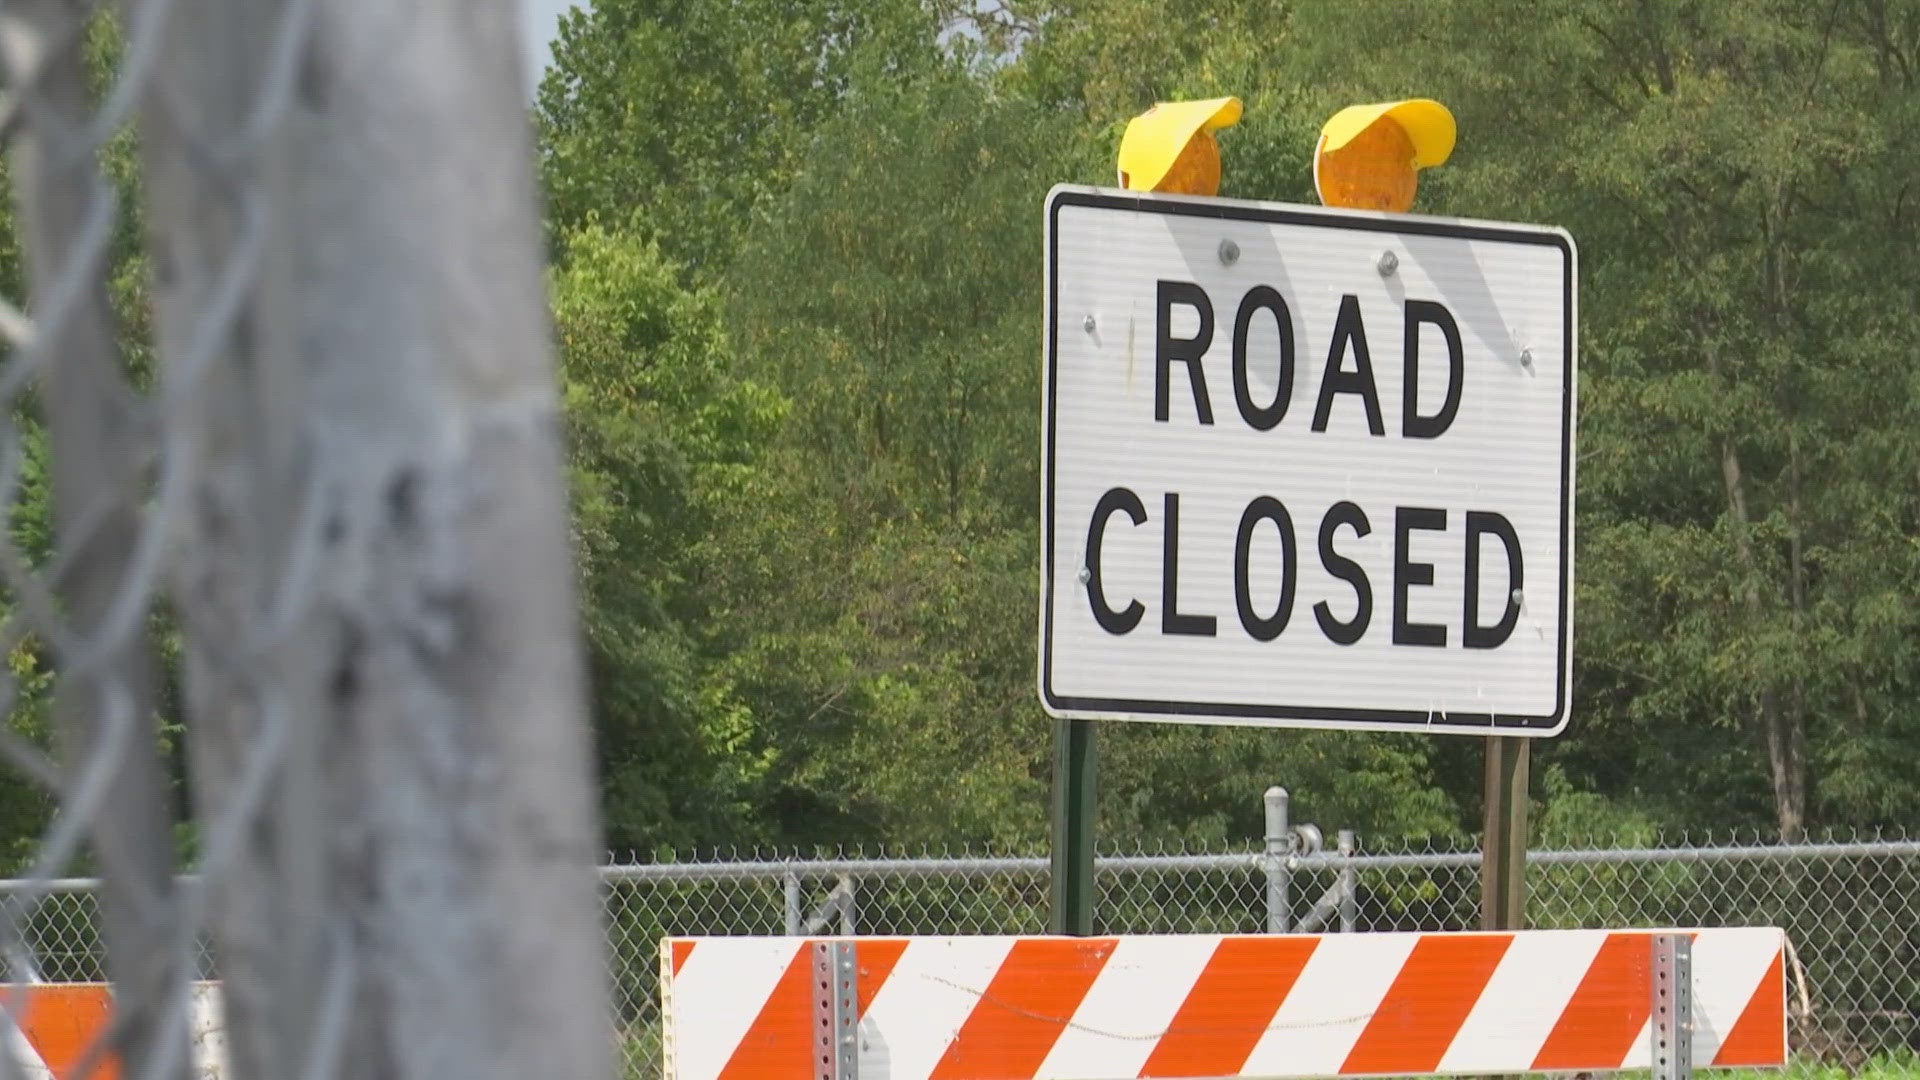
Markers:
1306,468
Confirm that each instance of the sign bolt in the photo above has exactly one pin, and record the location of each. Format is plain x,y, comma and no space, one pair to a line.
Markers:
1087,324
1229,252
1526,359
1086,575
1389,262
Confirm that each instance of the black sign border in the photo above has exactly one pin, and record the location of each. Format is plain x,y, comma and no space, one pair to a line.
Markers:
1282,715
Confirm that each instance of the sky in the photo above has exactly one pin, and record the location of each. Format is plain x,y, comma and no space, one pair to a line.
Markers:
539,21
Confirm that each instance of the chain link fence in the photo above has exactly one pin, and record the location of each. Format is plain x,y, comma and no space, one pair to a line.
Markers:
1848,906
1851,909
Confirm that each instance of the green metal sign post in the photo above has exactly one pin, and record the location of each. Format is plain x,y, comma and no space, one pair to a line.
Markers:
1073,776
1503,852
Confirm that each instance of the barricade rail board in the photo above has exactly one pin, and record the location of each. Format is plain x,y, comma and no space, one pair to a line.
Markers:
1115,1008
55,1031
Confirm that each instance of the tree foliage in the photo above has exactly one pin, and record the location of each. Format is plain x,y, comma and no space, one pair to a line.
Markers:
663,434
689,113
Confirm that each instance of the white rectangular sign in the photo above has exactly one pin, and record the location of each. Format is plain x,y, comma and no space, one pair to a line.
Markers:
1306,468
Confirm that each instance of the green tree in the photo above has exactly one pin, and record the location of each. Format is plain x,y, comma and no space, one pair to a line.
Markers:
1737,176
886,583
692,112
661,434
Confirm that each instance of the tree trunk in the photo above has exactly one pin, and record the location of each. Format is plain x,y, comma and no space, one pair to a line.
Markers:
1781,728
1793,754
376,576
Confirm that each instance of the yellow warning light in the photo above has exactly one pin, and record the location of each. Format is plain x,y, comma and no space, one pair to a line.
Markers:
1171,147
1369,156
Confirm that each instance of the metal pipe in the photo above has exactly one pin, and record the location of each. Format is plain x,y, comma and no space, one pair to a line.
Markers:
985,866
1347,884
773,869
1279,846
1902,849
790,890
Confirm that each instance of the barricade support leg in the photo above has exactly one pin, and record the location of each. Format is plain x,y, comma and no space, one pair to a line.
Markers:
836,1011
1672,1027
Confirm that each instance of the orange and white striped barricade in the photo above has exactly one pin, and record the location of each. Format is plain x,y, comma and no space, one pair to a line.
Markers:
57,1031
1024,1008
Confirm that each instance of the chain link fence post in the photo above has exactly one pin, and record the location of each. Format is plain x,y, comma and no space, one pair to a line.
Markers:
1349,883
790,893
1279,841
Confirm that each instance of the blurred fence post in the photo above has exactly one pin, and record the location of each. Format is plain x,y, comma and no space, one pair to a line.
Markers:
103,707
375,578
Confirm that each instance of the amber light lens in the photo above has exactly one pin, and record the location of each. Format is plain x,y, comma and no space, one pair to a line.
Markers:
1374,171
1197,170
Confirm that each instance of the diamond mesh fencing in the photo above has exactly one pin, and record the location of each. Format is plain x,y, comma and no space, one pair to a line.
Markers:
1851,910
